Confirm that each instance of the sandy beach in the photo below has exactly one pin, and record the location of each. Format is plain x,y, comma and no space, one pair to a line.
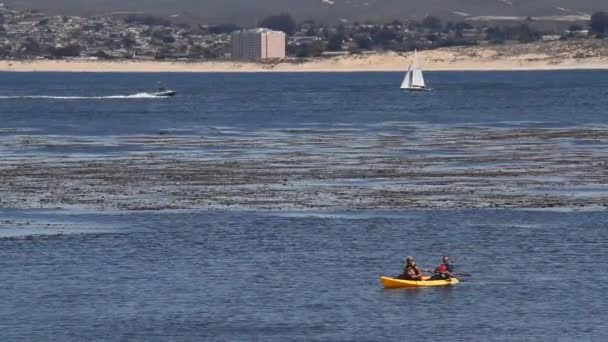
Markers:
557,55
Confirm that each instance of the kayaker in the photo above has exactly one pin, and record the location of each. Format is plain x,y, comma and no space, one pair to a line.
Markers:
411,270
445,270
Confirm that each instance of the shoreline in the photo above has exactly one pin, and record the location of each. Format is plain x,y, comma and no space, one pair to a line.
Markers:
82,66
561,55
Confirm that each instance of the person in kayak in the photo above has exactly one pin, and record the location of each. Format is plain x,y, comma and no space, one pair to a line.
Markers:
443,271
411,270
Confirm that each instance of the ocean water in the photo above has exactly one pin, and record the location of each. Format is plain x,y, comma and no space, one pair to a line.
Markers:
258,101
73,273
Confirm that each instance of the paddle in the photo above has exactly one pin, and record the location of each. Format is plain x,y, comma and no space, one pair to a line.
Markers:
462,274
453,273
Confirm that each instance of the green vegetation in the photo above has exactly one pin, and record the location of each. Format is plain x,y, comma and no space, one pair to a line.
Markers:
72,50
282,22
147,37
221,29
147,20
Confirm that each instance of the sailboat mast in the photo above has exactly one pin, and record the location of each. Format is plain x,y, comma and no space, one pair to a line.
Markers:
410,75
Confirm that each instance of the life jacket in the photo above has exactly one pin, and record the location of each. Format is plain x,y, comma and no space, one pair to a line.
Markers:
444,268
416,270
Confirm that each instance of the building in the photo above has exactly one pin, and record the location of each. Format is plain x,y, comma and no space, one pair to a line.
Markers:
258,44
550,37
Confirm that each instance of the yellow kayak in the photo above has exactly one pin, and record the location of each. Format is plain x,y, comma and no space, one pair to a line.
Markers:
393,283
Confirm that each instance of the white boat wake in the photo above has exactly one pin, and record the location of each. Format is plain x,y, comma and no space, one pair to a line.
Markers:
49,97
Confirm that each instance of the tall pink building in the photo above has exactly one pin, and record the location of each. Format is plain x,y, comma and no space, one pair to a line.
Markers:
258,44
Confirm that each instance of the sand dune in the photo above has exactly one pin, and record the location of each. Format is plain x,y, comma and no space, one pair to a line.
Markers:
575,54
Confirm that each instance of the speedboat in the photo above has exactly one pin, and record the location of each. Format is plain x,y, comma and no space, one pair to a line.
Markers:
163,92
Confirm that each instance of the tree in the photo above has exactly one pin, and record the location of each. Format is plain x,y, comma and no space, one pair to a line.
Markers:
129,41
384,37
432,37
311,31
199,52
413,25
432,23
308,26
101,55
31,47
311,49
147,20
599,22
575,27
527,35
282,22
335,42
163,53
196,51
213,53
459,26
495,35
163,35
76,34
223,28
364,42
72,50
168,39
6,50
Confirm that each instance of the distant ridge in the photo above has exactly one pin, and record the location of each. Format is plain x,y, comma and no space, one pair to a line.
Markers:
250,11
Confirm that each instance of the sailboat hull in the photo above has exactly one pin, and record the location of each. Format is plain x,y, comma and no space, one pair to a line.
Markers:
416,89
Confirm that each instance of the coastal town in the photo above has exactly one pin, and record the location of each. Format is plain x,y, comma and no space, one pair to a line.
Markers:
36,35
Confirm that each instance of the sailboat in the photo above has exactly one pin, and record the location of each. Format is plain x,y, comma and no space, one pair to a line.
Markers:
414,80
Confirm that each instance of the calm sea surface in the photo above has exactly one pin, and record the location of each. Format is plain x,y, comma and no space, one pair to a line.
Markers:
288,275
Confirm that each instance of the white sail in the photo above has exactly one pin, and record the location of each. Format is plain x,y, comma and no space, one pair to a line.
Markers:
413,78
407,80
418,79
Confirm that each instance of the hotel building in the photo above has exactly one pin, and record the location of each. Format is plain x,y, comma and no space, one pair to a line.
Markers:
258,44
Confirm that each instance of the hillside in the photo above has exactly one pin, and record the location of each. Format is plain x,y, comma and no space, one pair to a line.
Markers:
248,12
